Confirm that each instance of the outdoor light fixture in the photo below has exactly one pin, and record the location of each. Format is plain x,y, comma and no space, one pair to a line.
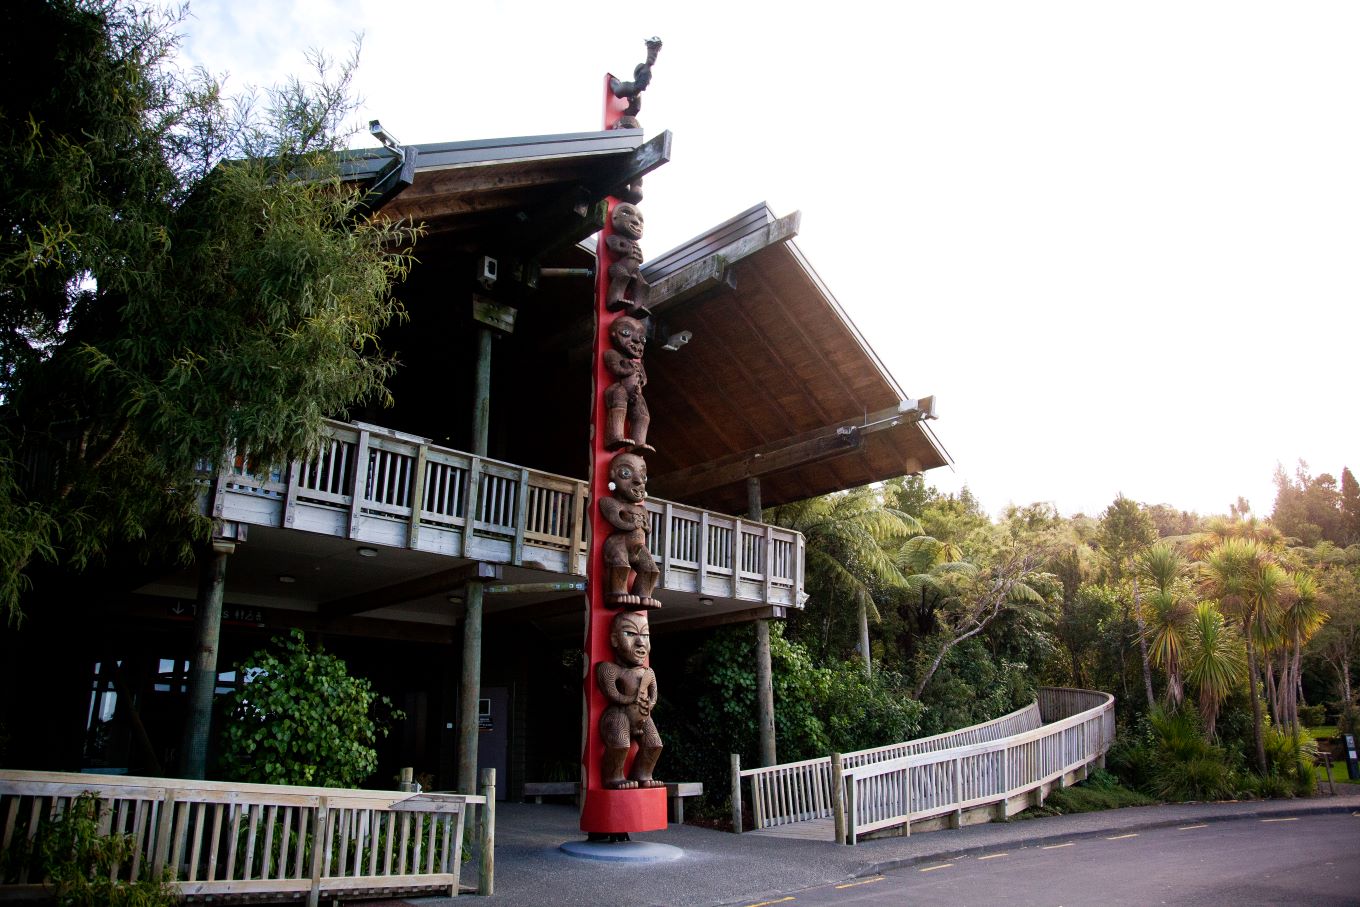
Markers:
286,578
675,341
454,598
705,600
368,552
382,135
922,409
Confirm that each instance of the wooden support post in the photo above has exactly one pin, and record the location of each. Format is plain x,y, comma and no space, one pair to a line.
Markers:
765,694
469,689
837,797
481,394
320,851
203,671
764,671
736,793
486,877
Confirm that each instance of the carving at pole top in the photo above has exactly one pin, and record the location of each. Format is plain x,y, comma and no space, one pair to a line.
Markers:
626,550
625,274
630,686
642,77
626,418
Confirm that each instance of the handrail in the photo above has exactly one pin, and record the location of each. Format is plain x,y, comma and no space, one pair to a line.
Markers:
799,791
896,792
228,840
380,486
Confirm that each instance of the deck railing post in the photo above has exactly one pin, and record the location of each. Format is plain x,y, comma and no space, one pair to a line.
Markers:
486,877
838,796
736,793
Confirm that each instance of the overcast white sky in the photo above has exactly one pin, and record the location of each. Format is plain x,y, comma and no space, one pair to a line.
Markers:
1118,241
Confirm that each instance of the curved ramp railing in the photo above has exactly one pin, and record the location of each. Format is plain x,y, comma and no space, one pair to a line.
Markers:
938,775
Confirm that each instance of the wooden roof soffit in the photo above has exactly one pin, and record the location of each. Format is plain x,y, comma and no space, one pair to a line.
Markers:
711,271
580,211
810,447
410,590
768,612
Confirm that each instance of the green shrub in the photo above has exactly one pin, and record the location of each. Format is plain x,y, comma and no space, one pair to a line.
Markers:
1313,715
77,862
1348,719
302,719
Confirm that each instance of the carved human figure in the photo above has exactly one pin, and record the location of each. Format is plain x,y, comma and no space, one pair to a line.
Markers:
628,289
626,419
626,548
630,686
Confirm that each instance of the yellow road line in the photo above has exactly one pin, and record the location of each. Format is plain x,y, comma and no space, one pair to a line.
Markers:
993,856
768,903
933,868
1056,846
1121,837
861,882
1190,827
1290,819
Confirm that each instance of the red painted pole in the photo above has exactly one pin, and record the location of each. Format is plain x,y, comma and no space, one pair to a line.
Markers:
605,811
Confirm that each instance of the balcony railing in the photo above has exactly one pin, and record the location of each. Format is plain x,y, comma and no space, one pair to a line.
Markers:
383,487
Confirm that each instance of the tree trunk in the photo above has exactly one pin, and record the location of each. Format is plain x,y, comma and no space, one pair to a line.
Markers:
864,636
1272,690
203,669
1142,644
1256,722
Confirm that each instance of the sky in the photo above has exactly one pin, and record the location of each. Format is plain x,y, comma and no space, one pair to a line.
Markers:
1117,241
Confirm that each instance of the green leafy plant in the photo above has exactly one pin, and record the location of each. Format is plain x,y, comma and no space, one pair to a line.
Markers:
302,719
78,863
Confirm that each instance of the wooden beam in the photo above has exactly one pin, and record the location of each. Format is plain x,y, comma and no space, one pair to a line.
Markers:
768,612
759,461
710,271
644,159
800,450
420,587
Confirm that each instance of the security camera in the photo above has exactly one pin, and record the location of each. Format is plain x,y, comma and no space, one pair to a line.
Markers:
675,341
487,268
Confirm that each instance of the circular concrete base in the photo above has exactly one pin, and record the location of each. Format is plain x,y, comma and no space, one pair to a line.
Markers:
623,851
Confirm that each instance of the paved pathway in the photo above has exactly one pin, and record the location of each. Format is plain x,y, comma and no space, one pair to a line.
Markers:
720,868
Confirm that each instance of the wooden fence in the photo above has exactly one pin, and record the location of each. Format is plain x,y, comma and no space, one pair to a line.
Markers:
252,841
941,775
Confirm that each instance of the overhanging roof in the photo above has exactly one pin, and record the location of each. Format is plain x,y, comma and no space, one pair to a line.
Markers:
521,195
775,374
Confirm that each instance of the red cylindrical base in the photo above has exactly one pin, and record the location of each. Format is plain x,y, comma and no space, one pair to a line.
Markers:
617,811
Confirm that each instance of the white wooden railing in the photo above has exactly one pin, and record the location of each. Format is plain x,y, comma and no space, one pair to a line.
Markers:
375,485
251,841
900,783
799,791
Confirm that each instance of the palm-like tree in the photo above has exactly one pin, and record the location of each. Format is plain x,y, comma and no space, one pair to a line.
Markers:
850,539
1300,618
1168,613
1249,585
1214,665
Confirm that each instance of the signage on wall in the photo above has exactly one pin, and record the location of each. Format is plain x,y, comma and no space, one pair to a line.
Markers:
484,722
238,615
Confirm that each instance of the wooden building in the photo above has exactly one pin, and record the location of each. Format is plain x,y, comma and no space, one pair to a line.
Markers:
476,475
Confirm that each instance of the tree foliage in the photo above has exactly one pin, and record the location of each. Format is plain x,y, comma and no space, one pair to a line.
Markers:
302,719
180,276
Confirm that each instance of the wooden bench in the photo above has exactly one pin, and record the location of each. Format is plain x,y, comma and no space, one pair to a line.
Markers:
676,792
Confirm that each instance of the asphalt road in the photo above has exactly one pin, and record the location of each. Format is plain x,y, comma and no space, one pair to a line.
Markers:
1308,859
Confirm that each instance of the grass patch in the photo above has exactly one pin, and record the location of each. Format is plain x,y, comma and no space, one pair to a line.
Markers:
1322,731
1100,791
